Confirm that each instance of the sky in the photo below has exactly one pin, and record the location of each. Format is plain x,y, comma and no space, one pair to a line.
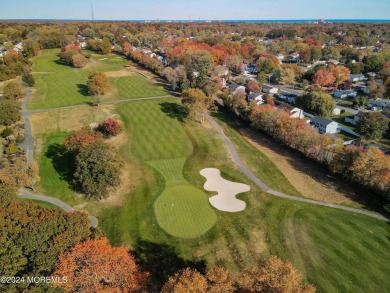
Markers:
196,9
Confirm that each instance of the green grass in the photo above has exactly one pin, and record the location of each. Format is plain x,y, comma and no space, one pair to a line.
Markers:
184,211
136,87
337,251
59,85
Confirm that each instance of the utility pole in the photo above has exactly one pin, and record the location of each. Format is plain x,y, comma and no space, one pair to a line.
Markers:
93,17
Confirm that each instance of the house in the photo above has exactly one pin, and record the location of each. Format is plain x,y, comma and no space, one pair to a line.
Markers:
221,71
385,150
258,97
356,77
294,111
336,111
354,119
289,98
250,69
235,88
345,94
18,47
82,45
280,57
324,125
380,104
270,89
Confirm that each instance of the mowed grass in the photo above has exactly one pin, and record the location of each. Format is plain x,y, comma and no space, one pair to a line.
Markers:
136,87
59,85
336,250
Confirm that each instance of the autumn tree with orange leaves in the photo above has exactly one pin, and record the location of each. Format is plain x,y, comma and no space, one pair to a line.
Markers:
96,266
323,78
216,280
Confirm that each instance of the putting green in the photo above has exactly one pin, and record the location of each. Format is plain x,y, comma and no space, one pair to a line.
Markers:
184,211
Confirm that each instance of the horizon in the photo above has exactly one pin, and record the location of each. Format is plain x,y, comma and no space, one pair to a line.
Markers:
199,10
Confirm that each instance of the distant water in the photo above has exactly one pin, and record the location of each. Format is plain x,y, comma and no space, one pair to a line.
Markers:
214,21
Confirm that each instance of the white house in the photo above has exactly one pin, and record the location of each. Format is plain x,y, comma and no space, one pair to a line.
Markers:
324,125
258,97
356,77
294,111
354,119
18,47
345,94
336,111
270,89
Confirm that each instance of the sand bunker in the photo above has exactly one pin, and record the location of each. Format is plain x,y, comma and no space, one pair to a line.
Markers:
227,190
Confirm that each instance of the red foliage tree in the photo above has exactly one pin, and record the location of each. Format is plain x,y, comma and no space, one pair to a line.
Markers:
78,139
110,127
95,266
323,78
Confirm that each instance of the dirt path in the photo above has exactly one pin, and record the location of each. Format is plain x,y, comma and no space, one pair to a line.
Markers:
308,178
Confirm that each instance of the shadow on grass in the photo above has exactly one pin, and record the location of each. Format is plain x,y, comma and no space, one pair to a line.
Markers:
174,110
63,162
161,261
83,89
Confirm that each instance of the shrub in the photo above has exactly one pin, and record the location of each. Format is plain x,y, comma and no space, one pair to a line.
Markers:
9,112
11,149
13,91
7,132
110,127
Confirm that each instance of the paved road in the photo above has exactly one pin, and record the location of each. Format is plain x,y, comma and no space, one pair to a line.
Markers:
268,190
287,90
24,193
28,143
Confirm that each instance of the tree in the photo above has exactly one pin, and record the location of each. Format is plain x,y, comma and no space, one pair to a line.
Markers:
253,86
13,91
317,103
27,77
275,276
32,237
219,281
20,174
261,77
216,280
97,169
97,84
376,90
186,281
9,112
95,266
78,60
287,76
105,46
78,139
198,64
340,73
196,103
372,125
323,78
110,127
371,168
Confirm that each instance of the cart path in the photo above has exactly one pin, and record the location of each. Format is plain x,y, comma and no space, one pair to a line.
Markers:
24,193
268,190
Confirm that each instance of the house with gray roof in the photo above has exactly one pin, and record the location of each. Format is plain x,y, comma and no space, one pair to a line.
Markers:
324,125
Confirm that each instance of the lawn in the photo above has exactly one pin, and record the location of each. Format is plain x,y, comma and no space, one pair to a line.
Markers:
136,87
58,85
338,251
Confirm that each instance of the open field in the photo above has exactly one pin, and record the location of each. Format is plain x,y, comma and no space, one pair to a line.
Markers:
59,85
163,154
